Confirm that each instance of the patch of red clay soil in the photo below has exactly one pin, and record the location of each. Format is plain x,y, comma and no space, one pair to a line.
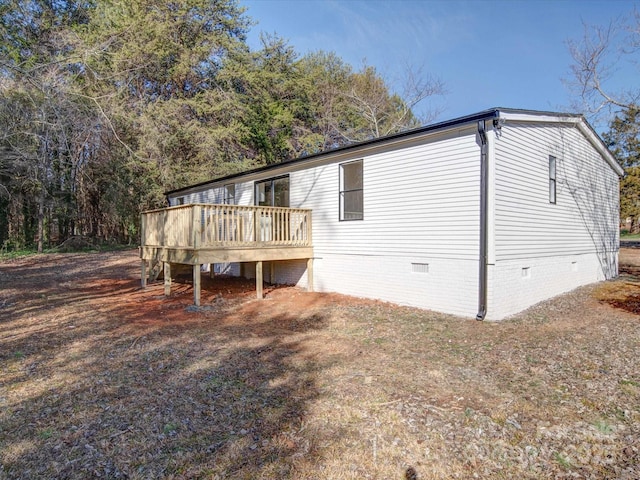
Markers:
232,300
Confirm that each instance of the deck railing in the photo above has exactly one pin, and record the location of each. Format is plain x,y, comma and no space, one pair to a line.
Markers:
219,226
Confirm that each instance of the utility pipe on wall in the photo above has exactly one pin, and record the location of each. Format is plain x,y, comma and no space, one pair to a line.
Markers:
484,192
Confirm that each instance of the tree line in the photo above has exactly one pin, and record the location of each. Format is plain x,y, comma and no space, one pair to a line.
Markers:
106,104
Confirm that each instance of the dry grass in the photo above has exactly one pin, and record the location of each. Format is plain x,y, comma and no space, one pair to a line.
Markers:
102,380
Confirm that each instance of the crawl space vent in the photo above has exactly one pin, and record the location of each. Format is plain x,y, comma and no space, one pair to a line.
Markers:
420,267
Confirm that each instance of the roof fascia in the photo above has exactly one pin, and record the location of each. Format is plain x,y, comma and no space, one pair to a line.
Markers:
328,157
357,148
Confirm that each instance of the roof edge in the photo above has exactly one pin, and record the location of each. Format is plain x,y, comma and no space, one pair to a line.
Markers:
492,113
434,127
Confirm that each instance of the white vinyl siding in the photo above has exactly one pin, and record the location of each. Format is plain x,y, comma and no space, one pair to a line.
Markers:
421,205
421,200
244,193
418,240
229,193
584,218
205,195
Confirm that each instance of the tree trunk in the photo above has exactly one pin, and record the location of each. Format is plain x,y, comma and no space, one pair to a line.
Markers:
41,220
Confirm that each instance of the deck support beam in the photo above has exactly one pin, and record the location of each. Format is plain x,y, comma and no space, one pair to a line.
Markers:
167,279
259,279
196,285
310,275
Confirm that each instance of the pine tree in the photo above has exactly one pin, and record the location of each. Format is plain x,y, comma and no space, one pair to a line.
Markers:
623,138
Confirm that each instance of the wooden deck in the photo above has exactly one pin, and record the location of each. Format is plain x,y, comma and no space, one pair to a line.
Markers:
198,234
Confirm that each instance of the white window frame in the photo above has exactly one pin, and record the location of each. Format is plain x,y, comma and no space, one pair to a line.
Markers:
229,191
351,216
272,183
553,193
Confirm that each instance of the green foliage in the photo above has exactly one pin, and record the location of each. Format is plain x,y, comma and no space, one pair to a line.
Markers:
156,74
623,139
106,104
563,460
169,428
46,434
30,30
603,426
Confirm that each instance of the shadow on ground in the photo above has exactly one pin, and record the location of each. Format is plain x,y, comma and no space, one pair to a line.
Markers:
103,381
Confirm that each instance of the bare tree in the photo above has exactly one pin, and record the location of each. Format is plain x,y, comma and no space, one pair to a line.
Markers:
385,112
597,57
418,87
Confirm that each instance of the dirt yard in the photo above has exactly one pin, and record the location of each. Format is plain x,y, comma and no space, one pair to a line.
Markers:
100,379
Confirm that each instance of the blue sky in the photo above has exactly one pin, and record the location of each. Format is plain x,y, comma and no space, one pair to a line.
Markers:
488,53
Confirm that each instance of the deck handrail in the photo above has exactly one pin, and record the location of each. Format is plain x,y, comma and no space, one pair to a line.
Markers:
203,225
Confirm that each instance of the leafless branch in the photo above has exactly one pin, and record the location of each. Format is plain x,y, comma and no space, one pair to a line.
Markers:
597,57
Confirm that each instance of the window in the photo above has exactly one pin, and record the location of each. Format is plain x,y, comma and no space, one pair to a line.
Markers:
230,194
552,179
273,192
351,191
180,201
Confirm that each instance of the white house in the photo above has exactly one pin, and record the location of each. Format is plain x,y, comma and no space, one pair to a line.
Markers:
480,216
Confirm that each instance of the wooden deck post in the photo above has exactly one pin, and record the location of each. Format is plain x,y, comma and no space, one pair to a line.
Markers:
211,269
195,227
167,279
256,226
196,285
259,279
310,275
143,273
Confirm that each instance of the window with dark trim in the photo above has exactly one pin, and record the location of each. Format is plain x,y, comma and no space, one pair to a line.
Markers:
552,179
230,194
273,192
351,191
180,201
